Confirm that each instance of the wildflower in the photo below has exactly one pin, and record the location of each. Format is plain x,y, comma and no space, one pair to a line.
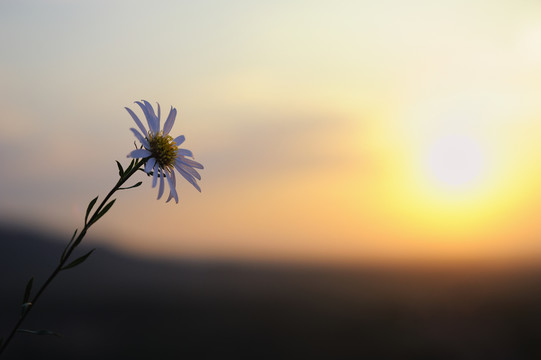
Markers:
161,151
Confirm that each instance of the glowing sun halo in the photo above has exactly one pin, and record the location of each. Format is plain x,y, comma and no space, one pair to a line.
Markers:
455,161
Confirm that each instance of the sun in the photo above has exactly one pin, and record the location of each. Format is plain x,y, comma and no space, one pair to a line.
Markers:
455,161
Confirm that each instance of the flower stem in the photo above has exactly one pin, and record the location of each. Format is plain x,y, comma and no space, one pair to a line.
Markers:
132,169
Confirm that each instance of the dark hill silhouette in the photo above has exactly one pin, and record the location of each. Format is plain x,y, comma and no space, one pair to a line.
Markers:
119,307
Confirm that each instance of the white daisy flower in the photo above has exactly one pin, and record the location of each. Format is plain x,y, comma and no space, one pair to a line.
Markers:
161,151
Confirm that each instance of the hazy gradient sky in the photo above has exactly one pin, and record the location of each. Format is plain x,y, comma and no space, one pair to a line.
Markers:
349,130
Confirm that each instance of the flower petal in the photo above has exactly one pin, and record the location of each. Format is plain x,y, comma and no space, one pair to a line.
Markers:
159,110
162,188
188,177
188,169
137,121
155,175
140,137
139,153
191,163
179,139
172,184
170,121
153,115
185,152
150,120
150,165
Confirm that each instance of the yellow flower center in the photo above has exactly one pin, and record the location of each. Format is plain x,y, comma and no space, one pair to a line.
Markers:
163,149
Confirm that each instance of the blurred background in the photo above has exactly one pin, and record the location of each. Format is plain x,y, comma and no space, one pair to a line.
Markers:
388,147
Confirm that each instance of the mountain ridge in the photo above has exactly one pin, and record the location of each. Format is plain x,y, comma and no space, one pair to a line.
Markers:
117,306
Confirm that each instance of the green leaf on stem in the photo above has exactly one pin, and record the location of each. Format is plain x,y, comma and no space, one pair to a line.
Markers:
106,208
120,170
131,187
63,257
78,261
39,332
25,307
89,208
28,290
130,166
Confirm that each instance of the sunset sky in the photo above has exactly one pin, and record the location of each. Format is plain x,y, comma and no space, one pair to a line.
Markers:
330,131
